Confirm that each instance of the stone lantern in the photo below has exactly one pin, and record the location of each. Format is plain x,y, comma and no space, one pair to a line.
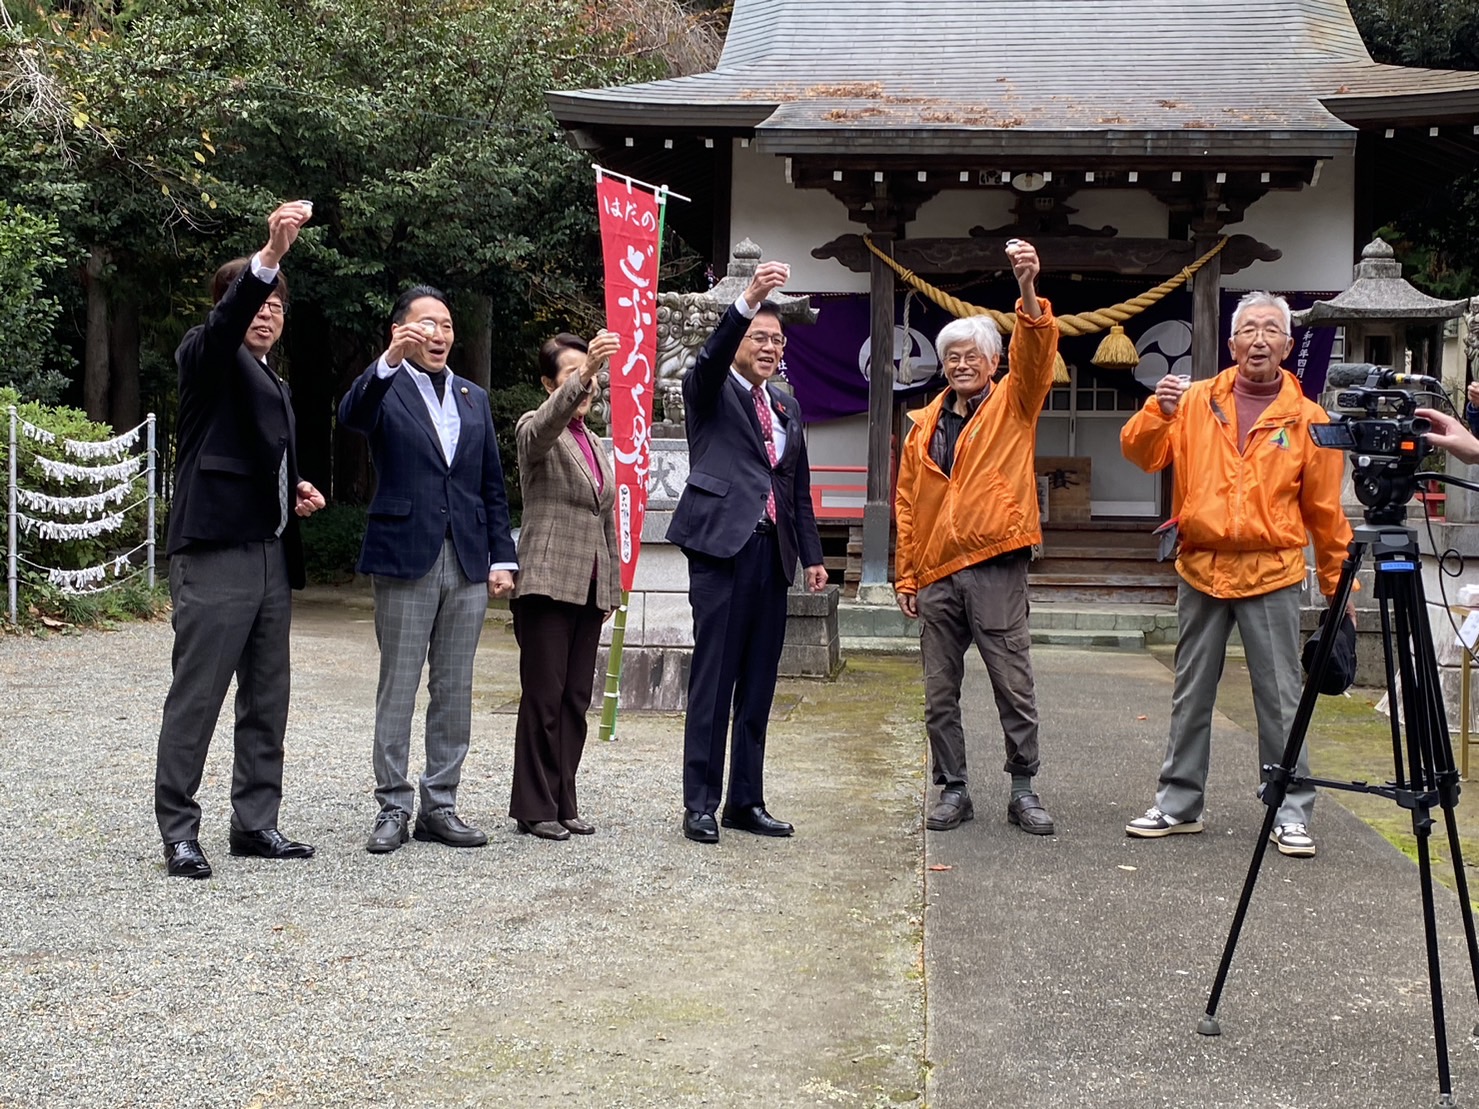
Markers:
1380,313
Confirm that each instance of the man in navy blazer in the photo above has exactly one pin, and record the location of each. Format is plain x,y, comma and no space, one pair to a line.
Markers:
744,521
437,546
234,557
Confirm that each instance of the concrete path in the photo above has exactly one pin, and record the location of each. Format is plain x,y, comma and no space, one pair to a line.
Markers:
1071,970
634,969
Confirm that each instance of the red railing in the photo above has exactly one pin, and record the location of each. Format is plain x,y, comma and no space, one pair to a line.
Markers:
838,492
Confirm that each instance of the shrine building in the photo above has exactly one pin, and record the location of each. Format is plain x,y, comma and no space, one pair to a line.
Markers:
1126,139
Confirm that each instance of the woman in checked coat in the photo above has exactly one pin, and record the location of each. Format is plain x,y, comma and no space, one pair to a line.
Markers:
569,582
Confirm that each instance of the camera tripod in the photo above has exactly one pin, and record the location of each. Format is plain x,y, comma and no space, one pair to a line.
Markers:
1425,776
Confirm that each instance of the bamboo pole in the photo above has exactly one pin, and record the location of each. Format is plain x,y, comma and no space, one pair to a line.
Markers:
613,671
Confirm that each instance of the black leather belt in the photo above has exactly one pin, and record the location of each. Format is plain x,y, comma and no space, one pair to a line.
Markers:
765,527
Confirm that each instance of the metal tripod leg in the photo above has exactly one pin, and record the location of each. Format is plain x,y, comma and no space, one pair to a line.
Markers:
1424,776
1277,786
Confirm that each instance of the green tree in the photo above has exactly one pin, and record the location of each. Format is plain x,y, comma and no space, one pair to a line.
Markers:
1436,232
31,247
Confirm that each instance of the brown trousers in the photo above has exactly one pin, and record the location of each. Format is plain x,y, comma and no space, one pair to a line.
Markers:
557,668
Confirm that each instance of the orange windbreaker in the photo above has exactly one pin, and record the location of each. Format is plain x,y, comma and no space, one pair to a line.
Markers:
988,504
1244,519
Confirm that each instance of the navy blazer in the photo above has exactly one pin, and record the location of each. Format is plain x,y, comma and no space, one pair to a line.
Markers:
417,495
729,471
234,426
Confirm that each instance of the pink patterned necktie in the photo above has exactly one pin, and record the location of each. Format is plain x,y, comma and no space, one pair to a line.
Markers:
767,431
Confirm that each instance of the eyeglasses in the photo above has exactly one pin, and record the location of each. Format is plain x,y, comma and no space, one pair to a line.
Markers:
765,339
272,308
973,358
1269,331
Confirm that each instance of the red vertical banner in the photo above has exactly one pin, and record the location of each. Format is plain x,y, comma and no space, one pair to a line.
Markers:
631,232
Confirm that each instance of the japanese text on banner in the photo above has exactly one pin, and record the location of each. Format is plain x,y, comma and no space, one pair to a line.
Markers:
631,226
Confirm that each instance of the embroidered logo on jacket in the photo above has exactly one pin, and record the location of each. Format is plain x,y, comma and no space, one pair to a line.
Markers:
1280,439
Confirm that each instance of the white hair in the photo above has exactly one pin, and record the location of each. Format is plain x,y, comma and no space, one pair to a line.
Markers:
1263,300
979,331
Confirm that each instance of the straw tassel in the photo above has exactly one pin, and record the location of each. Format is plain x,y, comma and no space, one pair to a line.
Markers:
1116,352
1060,370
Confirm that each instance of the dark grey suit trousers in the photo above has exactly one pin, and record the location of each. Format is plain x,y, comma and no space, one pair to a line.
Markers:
232,611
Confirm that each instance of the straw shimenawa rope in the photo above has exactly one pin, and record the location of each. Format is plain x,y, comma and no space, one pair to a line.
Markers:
1078,323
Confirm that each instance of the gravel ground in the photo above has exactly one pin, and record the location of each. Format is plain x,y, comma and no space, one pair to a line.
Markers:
630,968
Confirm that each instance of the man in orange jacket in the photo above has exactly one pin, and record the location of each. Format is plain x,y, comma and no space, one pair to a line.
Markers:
967,519
1251,489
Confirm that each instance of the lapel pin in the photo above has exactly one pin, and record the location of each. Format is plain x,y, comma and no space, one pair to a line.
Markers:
464,390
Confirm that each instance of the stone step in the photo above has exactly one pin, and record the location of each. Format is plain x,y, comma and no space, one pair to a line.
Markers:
1124,627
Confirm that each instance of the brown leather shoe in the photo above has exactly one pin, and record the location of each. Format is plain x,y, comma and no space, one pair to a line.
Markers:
951,810
1028,814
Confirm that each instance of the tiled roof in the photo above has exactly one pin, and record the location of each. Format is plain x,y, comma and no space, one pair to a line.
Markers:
1148,75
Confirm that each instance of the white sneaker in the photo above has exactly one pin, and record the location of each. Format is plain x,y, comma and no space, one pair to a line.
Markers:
1293,840
1155,824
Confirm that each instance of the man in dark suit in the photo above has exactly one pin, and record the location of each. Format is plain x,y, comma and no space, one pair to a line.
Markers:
234,557
438,545
744,520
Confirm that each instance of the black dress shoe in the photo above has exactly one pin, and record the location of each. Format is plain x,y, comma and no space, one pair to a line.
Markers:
700,827
445,826
754,818
391,830
579,826
268,843
951,810
186,860
1028,814
544,829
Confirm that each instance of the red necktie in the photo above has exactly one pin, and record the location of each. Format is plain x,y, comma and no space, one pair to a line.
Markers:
767,432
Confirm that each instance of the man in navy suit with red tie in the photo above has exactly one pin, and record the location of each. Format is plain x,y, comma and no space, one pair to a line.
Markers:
745,521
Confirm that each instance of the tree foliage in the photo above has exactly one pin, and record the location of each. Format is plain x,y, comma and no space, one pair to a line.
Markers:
1436,233
31,251
159,133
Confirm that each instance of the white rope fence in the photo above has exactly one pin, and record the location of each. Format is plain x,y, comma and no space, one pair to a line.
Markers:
98,463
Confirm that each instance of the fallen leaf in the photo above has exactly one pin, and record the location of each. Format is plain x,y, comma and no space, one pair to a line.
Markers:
1123,866
1140,717
940,866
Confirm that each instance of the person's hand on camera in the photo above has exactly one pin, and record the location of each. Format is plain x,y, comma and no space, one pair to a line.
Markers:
1449,434
1168,392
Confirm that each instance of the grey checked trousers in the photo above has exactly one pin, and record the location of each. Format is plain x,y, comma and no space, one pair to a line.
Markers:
434,621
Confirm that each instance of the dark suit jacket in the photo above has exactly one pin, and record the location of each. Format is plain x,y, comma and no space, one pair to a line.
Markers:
729,471
234,425
417,494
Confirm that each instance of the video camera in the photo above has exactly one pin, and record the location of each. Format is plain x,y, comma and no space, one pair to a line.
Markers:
1373,420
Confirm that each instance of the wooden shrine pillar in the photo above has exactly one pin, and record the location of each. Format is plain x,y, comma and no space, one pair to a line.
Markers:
1206,357
878,509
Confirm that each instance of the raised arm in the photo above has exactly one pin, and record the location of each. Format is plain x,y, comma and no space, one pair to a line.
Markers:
704,383
537,437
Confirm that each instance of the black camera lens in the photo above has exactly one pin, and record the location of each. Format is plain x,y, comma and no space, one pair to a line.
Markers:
1421,425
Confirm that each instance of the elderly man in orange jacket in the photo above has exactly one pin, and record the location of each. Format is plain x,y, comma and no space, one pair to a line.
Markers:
1251,489
967,519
